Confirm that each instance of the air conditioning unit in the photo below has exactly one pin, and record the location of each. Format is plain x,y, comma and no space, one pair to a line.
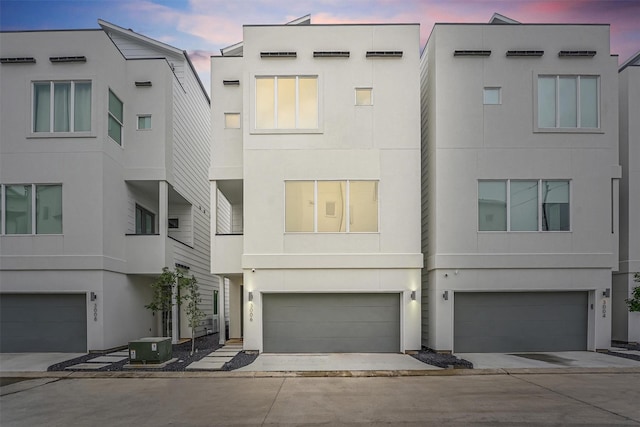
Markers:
150,350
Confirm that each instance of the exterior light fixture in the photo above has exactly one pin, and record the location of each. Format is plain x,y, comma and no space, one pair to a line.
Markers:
445,295
413,295
94,296
250,296
606,293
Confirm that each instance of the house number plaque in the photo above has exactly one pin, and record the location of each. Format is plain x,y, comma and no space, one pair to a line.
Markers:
250,312
604,308
95,312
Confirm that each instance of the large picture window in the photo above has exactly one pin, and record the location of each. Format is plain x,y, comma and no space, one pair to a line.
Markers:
19,215
568,102
287,102
62,106
145,221
331,206
523,205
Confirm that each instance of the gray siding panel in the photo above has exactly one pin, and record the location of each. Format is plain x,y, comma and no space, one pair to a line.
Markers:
520,321
43,323
344,323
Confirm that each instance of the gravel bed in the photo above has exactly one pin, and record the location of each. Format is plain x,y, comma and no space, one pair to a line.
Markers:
243,358
204,345
430,357
627,346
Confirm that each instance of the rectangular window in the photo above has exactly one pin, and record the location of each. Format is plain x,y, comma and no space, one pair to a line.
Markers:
19,216
491,96
215,303
232,120
116,118
144,122
287,102
523,205
331,206
568,102
62,106
364,96
145,221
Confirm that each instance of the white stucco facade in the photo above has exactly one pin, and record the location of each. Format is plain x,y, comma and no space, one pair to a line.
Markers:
99,251
626,325
467,141
378,142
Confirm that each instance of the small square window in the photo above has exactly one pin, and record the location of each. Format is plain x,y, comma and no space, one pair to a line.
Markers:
174,223
232,120
144,122
364,96
492,96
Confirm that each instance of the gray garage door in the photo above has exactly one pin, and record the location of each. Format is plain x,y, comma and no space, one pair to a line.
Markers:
504,322
43,323
331,323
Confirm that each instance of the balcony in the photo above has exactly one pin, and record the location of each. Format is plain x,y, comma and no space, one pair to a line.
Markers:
226,254
227,243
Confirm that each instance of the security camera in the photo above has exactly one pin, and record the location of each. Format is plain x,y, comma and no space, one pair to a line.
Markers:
253,270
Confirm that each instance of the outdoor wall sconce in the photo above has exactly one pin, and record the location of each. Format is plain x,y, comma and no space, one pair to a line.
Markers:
413,295
250,296
94,296
445,295
606,293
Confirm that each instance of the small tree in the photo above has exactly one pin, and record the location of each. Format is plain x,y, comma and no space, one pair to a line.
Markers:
164,288
634,301
194,314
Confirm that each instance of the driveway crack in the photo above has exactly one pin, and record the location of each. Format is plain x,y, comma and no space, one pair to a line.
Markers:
273,403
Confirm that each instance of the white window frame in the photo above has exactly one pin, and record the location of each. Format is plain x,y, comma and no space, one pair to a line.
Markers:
72,100
355,94
230,115
315,207
491,88
34,213
577,128
138,117
296,130
109,114
540,207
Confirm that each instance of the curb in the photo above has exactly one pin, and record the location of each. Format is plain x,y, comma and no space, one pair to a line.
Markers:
316,374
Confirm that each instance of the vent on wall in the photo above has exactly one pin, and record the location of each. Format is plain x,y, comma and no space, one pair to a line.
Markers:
59,59
577,53
231,82
471,53
143,84
331,54
18,60
384,54
525,53
278,54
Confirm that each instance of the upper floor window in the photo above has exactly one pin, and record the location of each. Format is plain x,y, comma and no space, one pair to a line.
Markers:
144,122
491,96
116,118
331,206
145,221
364,96
18,204
287,102
568,102
523,205
63,106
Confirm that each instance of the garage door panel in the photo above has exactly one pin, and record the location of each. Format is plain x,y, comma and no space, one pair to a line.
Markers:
331,322
43,323
520,321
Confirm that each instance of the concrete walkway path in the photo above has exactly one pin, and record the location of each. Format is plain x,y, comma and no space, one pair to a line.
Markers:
276,362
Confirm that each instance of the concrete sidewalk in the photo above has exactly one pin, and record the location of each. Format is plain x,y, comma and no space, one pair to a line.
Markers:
273,362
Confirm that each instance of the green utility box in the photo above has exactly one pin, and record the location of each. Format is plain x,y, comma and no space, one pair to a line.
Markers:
150,350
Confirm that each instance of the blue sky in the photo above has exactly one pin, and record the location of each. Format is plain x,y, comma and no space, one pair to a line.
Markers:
202,27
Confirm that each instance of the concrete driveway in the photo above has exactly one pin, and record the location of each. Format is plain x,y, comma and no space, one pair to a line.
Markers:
32,362
564,359
275,362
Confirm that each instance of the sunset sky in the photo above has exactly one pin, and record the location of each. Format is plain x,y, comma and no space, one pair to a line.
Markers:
202,27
